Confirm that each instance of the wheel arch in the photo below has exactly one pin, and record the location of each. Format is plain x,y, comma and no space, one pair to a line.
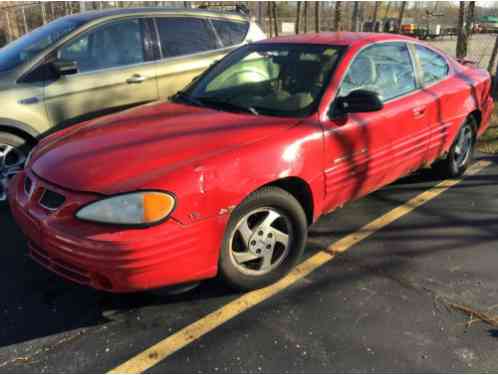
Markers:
300,190
20,129
477,116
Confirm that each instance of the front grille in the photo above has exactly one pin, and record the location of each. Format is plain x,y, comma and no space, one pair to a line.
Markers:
28,185
52,200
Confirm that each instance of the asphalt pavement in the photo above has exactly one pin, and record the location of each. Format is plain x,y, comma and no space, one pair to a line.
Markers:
420,295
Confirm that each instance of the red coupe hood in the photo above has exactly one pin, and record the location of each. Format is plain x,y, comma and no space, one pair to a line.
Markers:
107,155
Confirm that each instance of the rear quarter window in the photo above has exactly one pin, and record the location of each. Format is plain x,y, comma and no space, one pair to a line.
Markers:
434,66
231,32
184,36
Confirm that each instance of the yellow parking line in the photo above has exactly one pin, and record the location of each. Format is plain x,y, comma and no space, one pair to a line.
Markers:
163,349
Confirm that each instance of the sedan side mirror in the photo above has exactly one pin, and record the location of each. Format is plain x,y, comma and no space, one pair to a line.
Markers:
359,101
65,67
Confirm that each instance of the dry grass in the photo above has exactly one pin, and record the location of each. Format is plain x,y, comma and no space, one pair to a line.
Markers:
488,142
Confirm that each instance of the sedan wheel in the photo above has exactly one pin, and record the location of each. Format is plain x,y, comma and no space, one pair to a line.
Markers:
264,239
460,154
463,147
261,241
12,159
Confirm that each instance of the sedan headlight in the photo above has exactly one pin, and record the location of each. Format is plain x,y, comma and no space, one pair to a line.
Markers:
142,208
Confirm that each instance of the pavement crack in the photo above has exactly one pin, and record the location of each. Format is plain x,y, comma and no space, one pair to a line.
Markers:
43,350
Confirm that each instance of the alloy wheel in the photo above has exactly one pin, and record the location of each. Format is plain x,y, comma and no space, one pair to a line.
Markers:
463,146
11,162
261,241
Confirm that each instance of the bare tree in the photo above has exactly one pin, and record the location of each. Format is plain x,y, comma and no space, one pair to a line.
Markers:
306,3
317,16
338,16
270,18
275,16
401,14
356,14
9,29
461,40
376,11
493,57
24,20
298,17
388,8
43,13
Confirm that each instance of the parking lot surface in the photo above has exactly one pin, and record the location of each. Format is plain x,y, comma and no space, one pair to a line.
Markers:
420,294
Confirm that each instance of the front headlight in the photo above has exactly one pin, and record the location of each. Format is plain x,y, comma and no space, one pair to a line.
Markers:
142,208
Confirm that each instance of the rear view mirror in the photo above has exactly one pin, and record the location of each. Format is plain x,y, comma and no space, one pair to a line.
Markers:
65,67
359,101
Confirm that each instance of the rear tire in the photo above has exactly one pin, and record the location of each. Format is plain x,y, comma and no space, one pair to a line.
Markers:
13,153
461,153
264,239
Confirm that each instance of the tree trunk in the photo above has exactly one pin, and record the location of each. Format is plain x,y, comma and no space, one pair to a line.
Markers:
376,11
275,17
260,14
356,13
493,57
24,20
9,29
338,16
306,3
270,22
388,8
401,15
461,40
470,18
317,16
43,13
298,17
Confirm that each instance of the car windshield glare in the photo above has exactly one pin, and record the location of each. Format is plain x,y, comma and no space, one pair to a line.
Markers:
29,45
268,79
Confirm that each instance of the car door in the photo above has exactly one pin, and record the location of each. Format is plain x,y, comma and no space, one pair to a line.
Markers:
434,72
113,73
189,45
363,149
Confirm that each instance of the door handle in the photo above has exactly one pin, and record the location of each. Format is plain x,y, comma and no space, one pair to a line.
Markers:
135,78
419,112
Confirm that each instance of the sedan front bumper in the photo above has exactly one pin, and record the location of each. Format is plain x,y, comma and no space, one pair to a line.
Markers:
109,257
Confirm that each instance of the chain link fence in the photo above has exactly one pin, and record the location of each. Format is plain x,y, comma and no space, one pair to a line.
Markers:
466,29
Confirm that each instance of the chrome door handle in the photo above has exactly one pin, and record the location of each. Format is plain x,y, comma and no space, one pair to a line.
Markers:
135,78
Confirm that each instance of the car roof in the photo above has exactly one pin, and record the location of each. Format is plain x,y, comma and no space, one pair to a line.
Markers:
343,38
93,15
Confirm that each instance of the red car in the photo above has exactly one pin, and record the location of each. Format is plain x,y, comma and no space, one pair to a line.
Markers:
226,178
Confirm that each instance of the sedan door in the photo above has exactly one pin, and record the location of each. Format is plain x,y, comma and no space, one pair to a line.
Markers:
367,150
113,73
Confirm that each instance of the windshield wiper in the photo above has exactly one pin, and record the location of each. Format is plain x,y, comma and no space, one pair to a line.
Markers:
186,98
225,104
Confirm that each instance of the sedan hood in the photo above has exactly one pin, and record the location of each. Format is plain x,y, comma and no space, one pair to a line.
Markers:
124,151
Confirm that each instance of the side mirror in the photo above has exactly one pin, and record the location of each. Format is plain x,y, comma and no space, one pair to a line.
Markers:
65,67
359,101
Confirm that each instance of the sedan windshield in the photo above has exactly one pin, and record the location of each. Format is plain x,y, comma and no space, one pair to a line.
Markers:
29,45
269,79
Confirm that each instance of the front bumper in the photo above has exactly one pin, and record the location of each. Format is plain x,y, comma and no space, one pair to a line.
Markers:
112,258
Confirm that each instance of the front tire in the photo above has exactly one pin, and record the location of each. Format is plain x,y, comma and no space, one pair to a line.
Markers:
461,152
264,239
13,153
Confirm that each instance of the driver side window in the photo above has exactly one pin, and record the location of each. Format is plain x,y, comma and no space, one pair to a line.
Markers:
116,44
386,69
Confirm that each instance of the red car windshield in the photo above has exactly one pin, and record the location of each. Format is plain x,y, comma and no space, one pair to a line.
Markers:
269,79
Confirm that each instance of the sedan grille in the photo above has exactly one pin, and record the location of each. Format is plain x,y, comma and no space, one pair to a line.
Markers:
52,200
